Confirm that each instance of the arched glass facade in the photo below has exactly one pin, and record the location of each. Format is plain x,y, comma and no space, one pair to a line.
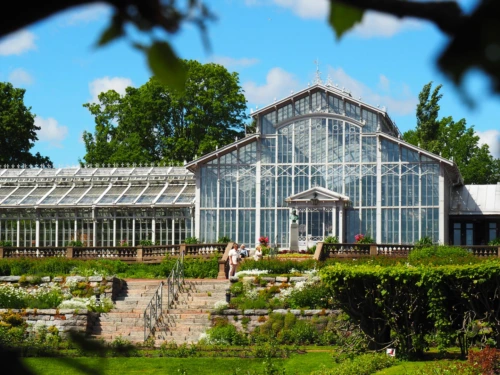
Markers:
320,138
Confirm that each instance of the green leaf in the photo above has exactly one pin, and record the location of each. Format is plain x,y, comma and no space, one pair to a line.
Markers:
343,17
114,31
165,65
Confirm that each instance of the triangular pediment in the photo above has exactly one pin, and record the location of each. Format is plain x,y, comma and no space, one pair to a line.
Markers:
320,193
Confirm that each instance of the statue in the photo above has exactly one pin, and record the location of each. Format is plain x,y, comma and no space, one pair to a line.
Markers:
293,216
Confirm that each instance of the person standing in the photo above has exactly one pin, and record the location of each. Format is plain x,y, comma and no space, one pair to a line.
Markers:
258,253
234,256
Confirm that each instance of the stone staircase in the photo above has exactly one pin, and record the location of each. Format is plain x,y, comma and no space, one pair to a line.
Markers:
184,322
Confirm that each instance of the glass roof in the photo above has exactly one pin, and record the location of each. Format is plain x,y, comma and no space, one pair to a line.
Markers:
80,187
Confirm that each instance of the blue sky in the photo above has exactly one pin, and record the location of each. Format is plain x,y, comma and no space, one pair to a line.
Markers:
271,44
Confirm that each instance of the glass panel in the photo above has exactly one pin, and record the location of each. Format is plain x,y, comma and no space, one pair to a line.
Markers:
469,234
369,222
318,175
318,141
335,104
93,195
208,185
284,185
353,225
227,224
208,226
112,194
492,231
352,110
302,106
335,141
285,145
409,155
390,225
318,101
352,183
430,184
268,151
390,151
267,186
248,154
268,122
17,196
409,225
267,224
285,112
246,187
47,233
369,185
335,178
390,185
301,139
409,184
301,180
35,196
168,195
352,143
246,228
370,121
369,149
457,233
73,195
430,223
283,228
227,186
152,192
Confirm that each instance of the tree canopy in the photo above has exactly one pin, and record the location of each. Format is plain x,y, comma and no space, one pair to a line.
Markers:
155,123
17,129
452,140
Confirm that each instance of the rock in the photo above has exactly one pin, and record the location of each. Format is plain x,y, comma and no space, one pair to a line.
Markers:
46,279
281,279
95,278
10,279
295,279
75,279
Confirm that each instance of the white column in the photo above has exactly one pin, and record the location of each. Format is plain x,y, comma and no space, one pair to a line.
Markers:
94,228
378,236
197,204
56,242
341,222
258,188
334,219
18,234
133,231
37,229
443,227
153,227
114,229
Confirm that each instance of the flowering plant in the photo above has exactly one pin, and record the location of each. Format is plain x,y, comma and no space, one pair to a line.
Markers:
361,238
264,240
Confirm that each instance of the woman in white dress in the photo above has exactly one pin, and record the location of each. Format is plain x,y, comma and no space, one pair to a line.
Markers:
258,253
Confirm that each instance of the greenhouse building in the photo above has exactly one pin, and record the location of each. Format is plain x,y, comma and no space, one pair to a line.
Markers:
338,162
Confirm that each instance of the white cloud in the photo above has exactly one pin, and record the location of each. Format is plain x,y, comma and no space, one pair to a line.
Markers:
119,84
492,139
17,43
278,85
19,77
306,8
375,24
403,104
384,83
86,14
230,62
51,131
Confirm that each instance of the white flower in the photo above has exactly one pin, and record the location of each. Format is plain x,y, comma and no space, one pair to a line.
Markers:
221,305
251,272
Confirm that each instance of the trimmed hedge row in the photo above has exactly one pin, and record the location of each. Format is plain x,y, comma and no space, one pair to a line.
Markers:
408,306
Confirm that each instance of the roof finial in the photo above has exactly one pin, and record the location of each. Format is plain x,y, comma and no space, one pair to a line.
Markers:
329,81
317,79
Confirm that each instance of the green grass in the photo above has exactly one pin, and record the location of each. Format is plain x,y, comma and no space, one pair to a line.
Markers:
406,368
296,364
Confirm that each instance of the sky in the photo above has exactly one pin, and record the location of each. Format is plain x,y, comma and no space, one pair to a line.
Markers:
272,44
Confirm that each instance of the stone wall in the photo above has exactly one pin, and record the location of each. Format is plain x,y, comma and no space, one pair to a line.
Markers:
64,319
108,286
259,317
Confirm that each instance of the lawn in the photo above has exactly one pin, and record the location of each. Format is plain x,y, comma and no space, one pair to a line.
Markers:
296,364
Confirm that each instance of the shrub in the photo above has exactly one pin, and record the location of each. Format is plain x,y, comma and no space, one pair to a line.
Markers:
146,243
362,238
495,242
191,240
76,243
224,239
225,333
441,255
5,244
365,364
424,242
331,239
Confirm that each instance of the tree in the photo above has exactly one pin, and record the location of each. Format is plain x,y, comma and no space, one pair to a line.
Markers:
452,140
155,123
17,129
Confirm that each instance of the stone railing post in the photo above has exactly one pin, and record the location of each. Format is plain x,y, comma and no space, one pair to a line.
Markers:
223,261
182,249
318,254
373,249
69,252
498,252
1,252
140,255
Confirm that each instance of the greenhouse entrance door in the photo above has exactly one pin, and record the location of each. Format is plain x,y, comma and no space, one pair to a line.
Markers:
321,213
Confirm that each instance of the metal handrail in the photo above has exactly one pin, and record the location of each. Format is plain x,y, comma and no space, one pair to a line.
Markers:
154,310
